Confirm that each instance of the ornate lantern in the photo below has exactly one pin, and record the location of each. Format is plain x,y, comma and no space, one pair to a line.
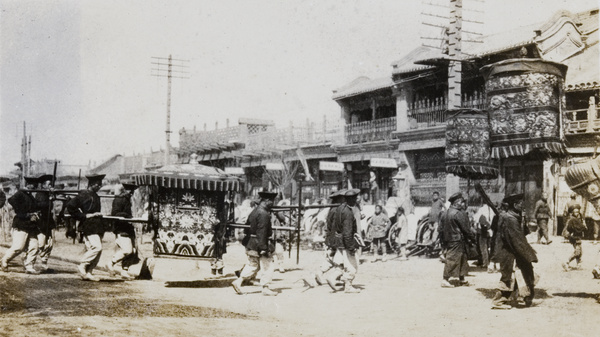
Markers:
524,99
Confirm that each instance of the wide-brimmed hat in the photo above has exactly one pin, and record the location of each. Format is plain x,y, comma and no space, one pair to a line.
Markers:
455,197
352,193
511,199
95,179
267,195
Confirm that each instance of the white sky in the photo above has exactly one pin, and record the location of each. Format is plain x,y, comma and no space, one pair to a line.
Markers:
79,73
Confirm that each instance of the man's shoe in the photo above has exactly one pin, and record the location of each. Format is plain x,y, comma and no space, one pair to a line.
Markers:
348,288
309,282
596,272
125,276
32,271
91,277
565,266
237,286
111,269
82,271
44,267
549,242
447,284
332,283
463,283
4,266
268,292
319,278
528,301
501,306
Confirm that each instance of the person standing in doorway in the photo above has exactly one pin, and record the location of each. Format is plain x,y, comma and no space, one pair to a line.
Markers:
542,215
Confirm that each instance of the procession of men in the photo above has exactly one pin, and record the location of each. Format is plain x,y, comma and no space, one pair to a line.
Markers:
34,232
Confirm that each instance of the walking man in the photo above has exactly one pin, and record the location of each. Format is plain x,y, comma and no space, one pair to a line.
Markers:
46,224
542,214
258,248
456,234
330,253
85,208
512,248
25,227
124,231
343,237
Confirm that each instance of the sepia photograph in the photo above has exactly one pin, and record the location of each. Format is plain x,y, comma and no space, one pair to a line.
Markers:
299,168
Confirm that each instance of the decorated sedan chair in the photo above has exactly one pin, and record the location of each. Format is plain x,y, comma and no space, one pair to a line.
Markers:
191,211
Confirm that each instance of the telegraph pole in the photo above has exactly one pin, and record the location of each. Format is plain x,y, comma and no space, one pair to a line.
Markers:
169,68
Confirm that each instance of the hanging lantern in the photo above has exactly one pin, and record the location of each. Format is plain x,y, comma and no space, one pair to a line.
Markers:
584,179
524,99
468,152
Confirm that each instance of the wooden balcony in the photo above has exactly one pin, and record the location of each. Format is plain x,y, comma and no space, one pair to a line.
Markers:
370,131
576,124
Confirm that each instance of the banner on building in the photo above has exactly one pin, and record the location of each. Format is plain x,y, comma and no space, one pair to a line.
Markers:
384,162
331,166
234,170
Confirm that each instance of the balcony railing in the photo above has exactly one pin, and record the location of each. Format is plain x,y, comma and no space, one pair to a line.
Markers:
576,125
370,131
428,113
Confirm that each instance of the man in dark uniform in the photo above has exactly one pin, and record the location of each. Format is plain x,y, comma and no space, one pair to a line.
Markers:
124,230
258,249
328,262
86,207
46,223
542,215
511,247
456,234
25,225
343,239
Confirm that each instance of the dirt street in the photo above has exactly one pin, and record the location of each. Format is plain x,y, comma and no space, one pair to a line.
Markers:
397,298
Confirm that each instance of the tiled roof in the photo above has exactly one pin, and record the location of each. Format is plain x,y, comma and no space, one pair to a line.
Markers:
361,85
584,70
408,64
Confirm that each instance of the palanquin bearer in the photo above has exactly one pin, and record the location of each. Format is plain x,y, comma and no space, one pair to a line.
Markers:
46,224
86,209
258,248
25,227
331,260
513,249
343,239
124,230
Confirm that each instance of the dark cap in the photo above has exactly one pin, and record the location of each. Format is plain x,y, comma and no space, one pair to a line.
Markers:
511,199
31,180
95,178
267,195
455,197
573,207
129,187
352,193
337,194
45,177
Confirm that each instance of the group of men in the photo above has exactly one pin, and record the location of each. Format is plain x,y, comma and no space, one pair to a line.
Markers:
33,225
340,238
511,249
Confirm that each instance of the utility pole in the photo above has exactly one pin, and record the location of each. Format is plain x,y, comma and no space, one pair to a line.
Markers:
24,155
170,70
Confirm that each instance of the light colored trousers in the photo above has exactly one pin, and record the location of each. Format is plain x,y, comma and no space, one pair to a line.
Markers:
20,240
350,264
256,263
45,247
93,245
124,248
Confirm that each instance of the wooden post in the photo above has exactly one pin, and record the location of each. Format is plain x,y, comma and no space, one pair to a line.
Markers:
299,219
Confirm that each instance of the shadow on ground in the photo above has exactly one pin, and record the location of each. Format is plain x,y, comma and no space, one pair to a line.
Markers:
490,293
